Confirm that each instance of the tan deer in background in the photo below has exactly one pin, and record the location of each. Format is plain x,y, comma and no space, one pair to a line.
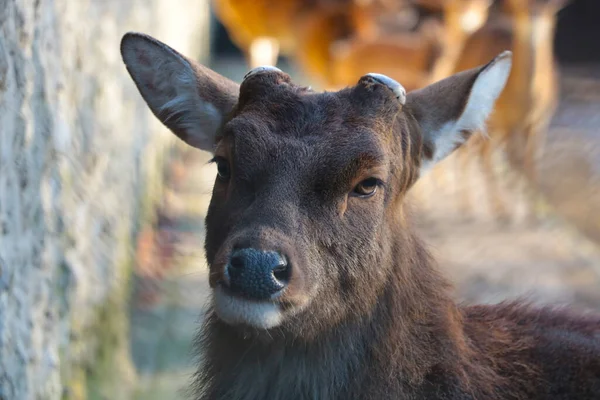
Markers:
263,29
335,44
461,19
333,41
525,108
417,49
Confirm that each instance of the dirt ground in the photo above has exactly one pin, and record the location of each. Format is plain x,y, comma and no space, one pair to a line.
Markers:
555,258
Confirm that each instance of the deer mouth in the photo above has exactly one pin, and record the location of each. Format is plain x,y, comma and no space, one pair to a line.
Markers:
235,310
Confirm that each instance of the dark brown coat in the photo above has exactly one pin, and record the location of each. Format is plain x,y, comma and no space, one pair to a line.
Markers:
365,314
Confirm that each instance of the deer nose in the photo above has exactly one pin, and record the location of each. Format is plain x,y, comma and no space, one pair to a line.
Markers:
257,274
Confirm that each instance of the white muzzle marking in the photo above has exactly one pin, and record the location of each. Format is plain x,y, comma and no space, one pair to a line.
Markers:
236,311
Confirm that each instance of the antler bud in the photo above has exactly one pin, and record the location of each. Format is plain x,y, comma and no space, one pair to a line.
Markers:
394,86
260,70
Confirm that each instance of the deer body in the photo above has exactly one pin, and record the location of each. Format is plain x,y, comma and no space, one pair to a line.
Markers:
319,287
545,358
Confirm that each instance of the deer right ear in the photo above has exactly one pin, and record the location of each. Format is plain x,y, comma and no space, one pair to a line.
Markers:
451,110
190,99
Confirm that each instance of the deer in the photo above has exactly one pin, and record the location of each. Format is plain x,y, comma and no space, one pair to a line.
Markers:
322,30
320,285
461,19
265,29
261,29
310,32
526,106
537,18
356,56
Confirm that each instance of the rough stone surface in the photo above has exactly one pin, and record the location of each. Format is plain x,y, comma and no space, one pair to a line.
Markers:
80,159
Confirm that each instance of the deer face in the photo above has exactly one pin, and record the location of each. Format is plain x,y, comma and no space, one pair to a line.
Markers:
308,197
301,196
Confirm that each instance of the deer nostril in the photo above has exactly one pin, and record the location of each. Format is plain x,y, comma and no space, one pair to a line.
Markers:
282,272
237,262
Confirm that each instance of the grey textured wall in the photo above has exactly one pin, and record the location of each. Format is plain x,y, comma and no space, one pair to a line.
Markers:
80,159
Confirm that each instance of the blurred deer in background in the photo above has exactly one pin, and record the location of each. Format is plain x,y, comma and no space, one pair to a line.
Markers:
404,51
335,44
461,19
263,29
317,29
538,19
408,44
525,108
335,40
260,28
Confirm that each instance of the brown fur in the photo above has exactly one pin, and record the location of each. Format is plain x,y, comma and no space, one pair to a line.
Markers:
384,324
366,313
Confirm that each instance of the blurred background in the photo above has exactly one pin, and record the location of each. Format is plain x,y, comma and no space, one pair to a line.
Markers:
102,270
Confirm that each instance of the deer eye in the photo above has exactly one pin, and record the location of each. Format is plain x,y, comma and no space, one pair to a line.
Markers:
223,170
366,188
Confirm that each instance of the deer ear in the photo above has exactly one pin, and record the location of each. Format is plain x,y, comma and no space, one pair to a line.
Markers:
190,99
451,110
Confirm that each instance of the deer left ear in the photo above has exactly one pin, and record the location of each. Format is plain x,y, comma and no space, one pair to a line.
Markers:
188,98
451,110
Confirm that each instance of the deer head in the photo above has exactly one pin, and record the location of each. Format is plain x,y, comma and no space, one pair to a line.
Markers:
306,220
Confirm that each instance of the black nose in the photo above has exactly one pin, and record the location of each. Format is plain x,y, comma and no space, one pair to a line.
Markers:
257,274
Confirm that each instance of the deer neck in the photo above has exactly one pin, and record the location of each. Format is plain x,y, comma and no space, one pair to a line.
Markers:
525,45
412,330
543,29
